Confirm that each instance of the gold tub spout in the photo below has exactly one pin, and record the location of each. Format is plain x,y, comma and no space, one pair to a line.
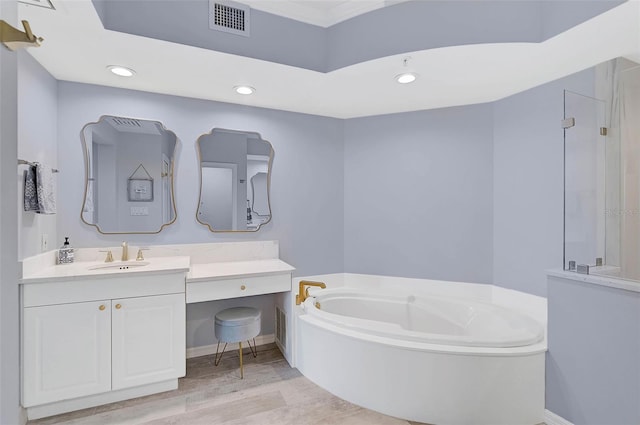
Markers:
302,294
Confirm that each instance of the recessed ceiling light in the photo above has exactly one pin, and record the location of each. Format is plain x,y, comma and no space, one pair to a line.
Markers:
407,77
121,70
244,89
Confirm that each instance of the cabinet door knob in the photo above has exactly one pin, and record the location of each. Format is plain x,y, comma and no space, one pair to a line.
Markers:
102,307
242,288
118,306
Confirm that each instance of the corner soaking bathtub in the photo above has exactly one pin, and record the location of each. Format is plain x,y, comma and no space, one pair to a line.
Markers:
443,360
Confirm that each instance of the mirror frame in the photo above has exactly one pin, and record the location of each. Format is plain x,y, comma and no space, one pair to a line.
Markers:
86,177
269,167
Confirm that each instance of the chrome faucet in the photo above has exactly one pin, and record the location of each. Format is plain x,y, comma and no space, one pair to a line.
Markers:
125,252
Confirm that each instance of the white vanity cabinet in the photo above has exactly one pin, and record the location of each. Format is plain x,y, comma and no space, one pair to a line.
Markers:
147,340
66,351
84,337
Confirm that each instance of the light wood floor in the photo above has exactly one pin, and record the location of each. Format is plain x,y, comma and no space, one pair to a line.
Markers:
271,393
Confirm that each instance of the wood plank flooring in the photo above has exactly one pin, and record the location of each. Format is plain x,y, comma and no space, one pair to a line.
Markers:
271,393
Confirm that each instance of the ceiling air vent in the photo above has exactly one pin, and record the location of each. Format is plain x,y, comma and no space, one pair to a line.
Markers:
229,16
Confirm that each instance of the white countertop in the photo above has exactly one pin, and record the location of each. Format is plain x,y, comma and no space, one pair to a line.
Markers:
83,269
611,282
201,272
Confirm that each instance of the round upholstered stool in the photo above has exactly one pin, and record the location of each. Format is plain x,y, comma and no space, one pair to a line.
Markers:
237,324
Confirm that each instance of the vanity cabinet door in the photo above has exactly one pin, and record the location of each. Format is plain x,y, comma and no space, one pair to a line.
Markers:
66,351
148,340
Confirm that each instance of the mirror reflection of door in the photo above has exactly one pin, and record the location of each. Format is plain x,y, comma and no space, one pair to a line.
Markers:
234,189
260,203
218,200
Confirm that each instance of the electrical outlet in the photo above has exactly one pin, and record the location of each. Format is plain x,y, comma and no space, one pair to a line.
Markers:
44,242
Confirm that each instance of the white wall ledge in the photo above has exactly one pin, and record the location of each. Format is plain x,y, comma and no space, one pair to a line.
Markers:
626,285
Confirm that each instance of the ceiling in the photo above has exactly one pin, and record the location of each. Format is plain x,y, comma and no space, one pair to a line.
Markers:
323,13
78,48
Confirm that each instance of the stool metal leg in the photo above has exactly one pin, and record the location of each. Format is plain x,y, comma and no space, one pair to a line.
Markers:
217,359
241,370
254,349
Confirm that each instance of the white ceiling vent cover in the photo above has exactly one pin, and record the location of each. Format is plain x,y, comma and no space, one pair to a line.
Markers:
229,16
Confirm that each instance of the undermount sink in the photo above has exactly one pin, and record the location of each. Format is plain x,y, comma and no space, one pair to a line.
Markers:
120,265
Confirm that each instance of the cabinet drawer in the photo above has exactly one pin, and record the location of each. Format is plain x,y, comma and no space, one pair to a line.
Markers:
237,287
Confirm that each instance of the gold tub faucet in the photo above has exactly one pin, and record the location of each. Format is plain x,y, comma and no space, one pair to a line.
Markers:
302,293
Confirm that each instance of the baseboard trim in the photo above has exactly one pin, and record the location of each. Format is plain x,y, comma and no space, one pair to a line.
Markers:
206,350
45,410
23,416
551,418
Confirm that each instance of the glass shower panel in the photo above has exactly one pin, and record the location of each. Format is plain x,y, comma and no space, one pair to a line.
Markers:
584,189
630,173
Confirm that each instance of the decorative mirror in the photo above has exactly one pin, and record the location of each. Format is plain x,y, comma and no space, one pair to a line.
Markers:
235,177
129,175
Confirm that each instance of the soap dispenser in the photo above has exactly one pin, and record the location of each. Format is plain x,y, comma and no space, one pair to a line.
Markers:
65,253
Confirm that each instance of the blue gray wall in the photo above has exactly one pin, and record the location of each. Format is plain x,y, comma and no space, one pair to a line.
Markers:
37,135
528,183
418,194
9,299
592,369
559,15
468,193
307,181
